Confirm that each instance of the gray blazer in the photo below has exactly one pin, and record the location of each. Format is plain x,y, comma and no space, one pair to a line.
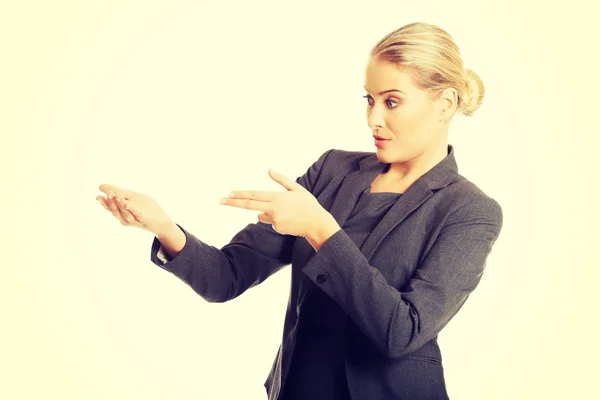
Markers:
413,273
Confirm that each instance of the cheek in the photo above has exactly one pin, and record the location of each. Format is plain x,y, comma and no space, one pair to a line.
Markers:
402,122
409,121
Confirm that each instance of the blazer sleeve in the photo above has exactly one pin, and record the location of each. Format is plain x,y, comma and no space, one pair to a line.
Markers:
400,321
253,254
162,256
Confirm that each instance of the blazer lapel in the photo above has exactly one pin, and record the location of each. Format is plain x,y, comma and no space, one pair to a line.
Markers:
353,185
414,196
423,188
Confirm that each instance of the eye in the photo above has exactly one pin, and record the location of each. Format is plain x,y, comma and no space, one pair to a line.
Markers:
388,101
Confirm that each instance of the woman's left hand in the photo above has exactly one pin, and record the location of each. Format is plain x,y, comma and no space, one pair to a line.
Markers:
294,212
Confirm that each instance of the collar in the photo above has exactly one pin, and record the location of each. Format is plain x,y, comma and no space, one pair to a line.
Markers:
437,177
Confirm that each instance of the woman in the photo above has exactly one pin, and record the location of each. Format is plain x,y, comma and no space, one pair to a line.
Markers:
385,247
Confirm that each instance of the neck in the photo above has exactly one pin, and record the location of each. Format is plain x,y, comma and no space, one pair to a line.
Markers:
410,170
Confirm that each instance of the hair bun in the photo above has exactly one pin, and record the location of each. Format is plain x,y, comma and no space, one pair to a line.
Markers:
474,92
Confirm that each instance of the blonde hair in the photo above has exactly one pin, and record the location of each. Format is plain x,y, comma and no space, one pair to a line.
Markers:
434,62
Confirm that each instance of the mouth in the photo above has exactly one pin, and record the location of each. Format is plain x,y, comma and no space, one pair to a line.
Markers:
380,142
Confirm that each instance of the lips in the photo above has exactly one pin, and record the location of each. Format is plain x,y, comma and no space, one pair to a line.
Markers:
380,142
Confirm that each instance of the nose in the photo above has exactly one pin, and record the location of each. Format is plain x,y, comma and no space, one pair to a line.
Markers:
374,118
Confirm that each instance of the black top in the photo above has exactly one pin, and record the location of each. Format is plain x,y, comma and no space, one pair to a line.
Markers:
317,370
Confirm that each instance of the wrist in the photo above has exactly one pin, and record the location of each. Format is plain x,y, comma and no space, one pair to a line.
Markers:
167,230
172,239
322,231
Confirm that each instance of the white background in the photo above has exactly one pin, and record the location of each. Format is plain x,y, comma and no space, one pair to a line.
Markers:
186,100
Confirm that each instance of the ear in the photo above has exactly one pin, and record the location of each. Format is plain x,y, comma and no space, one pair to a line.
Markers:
447,101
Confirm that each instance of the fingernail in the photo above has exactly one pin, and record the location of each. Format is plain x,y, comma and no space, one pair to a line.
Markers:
231,194
223,201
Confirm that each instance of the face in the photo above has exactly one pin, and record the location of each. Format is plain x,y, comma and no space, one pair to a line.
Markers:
405,115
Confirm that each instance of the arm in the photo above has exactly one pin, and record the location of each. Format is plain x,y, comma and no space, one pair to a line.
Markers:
171,243
399,322
254,253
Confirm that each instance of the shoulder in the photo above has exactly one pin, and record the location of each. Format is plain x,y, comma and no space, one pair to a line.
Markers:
335,161
471,202
349,155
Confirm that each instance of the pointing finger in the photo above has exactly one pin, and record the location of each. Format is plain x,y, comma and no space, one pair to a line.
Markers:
247,204
252,195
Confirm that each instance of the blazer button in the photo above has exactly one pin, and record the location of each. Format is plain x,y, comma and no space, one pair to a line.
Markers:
321,278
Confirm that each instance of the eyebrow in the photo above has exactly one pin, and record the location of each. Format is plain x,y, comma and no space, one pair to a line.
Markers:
387,91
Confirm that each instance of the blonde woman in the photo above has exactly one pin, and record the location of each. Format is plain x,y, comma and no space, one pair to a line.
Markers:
385,246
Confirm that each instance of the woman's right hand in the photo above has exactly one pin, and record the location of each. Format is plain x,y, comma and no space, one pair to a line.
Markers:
135,209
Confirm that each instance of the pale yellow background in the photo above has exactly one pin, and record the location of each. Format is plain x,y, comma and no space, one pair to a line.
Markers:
185,100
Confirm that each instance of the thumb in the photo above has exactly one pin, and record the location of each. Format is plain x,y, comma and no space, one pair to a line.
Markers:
283,180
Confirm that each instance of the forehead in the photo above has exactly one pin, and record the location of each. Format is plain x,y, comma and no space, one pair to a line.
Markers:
383,75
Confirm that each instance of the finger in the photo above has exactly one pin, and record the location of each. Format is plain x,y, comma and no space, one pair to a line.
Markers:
119,213
107,188
252,195
103,202
119,216
128,217
284,181
124,216
118,197
132,209
247,204
111,202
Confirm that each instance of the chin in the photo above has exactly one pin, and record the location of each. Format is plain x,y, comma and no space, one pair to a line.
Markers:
386,155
